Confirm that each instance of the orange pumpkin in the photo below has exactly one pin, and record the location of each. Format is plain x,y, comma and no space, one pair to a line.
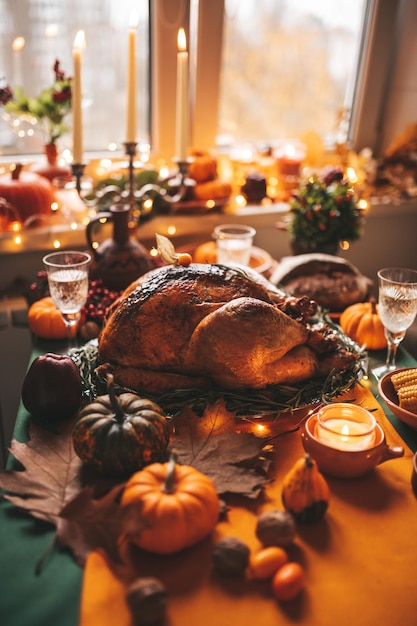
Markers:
179,504
28,192
203,166
212,190
45,320
361,322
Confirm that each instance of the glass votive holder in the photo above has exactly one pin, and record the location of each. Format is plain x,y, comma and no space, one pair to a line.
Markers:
345,426
289,157
234,243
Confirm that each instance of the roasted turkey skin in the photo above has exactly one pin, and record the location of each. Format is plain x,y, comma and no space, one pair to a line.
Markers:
179,327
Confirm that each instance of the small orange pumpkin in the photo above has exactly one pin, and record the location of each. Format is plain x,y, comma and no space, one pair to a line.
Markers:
203,167
179,505
45,320
212,190
28,192
361,322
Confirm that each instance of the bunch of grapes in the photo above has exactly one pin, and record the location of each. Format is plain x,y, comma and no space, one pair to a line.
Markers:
98,301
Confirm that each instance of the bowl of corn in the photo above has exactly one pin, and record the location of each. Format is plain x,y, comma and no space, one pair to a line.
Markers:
398,389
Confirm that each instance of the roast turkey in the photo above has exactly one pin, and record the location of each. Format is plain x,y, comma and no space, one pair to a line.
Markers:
202,325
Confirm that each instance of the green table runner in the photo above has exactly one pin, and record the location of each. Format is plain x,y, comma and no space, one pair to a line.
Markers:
52,597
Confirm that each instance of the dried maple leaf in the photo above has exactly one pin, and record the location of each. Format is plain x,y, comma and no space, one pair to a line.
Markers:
235,462
87,523
51,475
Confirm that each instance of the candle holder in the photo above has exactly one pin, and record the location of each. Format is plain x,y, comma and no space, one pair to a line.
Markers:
176,189
78,173
346,463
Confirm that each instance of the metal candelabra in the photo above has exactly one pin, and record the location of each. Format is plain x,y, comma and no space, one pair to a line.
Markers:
176,190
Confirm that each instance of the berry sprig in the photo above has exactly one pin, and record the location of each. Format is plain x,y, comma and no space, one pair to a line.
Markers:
98,301
99,297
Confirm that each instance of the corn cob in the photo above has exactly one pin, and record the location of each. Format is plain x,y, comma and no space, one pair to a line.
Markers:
407,397
407,377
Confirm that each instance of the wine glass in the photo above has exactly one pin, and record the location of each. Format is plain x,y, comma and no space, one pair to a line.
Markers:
68,284
397,307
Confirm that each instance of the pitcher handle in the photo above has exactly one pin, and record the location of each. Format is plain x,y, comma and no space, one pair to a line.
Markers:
104,215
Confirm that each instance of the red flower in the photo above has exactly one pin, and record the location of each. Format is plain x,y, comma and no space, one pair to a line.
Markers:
59,74
6,94
63,95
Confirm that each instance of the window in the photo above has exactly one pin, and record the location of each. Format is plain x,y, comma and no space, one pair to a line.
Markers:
48,28
288,68
261,70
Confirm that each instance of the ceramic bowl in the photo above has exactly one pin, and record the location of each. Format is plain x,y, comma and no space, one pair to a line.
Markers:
389,396
347,464
260,260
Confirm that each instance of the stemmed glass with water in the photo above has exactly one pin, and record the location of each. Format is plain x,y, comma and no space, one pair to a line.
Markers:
68,284
397,307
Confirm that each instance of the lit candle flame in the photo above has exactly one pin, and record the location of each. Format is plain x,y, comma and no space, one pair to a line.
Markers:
289,151
181,40
18,44
133,19
79,41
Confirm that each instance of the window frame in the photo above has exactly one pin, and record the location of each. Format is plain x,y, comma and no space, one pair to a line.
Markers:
373,78
374,74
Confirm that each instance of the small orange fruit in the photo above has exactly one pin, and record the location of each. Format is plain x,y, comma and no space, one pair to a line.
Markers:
184,259
266,562
288,581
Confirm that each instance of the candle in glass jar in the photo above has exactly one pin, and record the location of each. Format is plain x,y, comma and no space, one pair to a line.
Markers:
131,80
182,98
77,125
289,160
345,427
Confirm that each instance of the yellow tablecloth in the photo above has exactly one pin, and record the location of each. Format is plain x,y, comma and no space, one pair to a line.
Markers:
360,559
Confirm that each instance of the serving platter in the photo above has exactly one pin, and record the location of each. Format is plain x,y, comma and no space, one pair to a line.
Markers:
269,402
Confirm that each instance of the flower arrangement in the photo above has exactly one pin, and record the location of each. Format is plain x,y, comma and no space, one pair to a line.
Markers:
49,108
324,211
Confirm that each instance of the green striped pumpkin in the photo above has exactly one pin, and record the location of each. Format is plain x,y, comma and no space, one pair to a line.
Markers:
119,435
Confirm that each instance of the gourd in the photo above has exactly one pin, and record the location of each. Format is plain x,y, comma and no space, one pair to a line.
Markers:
29,193
305,492
212,190
119,435
203,166
45,320
179,505
361,322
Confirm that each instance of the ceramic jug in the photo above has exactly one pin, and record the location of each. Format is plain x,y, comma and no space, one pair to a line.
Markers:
120,260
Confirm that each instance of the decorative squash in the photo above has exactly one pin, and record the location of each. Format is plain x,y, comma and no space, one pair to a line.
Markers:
305,492
212,190
361,322
29,193
179,504
45,320
119,435
203,167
